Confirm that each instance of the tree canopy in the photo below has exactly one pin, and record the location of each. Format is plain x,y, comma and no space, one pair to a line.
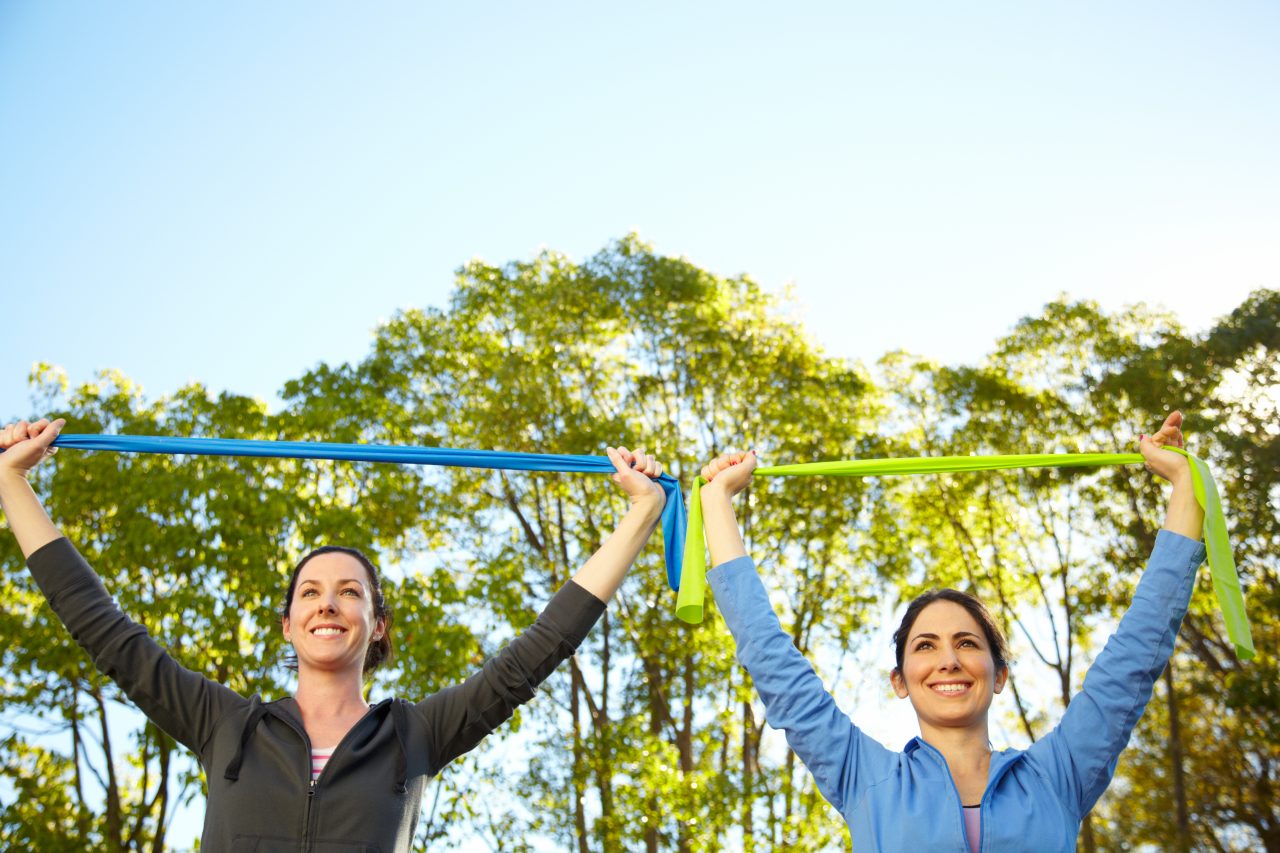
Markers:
651,738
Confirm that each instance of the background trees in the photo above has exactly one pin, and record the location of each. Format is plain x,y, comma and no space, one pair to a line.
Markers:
651,738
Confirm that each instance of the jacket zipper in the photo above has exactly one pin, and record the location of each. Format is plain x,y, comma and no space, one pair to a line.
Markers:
992,781
314,784
305,846
306,818
964,832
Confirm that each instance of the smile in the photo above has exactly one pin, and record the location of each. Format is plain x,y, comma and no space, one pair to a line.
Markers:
950,688
328,631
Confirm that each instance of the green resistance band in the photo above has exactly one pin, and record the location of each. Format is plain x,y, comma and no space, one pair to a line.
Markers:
1226,583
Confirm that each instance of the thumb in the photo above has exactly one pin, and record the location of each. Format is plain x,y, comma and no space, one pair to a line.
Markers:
621,466
50,433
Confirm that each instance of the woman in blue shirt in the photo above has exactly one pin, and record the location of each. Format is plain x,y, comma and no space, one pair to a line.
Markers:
947,790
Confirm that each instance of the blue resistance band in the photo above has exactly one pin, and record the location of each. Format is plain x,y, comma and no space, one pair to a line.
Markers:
674,520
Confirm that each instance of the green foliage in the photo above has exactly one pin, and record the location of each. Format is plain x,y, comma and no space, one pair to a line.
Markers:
641,745
651,738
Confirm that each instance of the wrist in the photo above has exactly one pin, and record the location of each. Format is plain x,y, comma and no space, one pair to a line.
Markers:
650,506
716,491
10,477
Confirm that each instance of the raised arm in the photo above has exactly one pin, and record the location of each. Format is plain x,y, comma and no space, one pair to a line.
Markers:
1081,753
458,718
840,756
183,703
636,474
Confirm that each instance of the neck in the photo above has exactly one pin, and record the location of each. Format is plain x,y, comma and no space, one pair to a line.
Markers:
965,748
330,694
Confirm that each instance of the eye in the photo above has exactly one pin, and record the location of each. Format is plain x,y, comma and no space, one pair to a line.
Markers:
922,645
306,592
969,643
351,590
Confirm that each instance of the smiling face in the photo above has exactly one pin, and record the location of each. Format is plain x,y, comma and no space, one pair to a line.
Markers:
331,619
948,669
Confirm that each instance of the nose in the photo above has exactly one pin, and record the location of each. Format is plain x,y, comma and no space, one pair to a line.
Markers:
327,606
947,661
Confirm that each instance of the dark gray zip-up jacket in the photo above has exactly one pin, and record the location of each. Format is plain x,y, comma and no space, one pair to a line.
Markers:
256,754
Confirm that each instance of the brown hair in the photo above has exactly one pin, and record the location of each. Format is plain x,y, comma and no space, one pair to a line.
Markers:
976,609
379,649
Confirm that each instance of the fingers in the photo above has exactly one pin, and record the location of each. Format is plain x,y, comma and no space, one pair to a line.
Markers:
715,466
14,433
621,463
25,443
46,433
647,464
1170,432
1168,466
626,460
722,462
1173,426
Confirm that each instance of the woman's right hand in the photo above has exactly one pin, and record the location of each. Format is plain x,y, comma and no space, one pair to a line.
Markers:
25,445
730,472
1170,466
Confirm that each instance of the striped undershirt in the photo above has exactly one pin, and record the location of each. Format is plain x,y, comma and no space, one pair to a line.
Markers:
319,758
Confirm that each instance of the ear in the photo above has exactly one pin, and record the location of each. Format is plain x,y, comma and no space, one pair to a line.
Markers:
899,684
284,628
379,629
1001,677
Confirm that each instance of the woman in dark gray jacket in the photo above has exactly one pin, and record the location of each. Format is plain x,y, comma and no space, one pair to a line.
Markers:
321,770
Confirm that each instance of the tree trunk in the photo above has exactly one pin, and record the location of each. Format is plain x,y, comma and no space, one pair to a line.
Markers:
165,749
1183,825
114,820
579,772
651,807
1087,843
78,756
685,743
604,749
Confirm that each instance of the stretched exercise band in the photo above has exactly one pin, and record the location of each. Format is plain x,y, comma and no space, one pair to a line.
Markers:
673,514
690,582
1226,583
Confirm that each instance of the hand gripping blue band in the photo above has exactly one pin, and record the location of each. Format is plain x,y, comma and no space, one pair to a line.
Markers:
673,514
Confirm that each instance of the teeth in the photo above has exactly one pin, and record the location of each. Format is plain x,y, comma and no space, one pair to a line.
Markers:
327,632
950,688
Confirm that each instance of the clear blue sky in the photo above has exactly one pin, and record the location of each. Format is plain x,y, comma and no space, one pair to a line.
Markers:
234,192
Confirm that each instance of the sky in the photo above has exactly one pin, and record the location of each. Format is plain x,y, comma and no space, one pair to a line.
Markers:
233,193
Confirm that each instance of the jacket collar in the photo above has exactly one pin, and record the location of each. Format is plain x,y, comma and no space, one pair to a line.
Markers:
1001,760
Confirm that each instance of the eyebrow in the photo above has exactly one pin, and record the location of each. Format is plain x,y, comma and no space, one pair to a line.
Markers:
340,583
936,637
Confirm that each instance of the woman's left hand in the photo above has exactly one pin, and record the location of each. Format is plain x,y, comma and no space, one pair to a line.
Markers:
1173,467
637,473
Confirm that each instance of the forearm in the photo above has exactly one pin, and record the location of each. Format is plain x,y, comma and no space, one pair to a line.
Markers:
602,574
720,526
1184,515
27,518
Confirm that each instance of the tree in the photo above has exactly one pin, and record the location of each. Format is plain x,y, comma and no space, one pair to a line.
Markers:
653,738
1225,711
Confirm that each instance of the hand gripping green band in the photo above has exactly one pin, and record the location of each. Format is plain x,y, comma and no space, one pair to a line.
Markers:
1226,583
